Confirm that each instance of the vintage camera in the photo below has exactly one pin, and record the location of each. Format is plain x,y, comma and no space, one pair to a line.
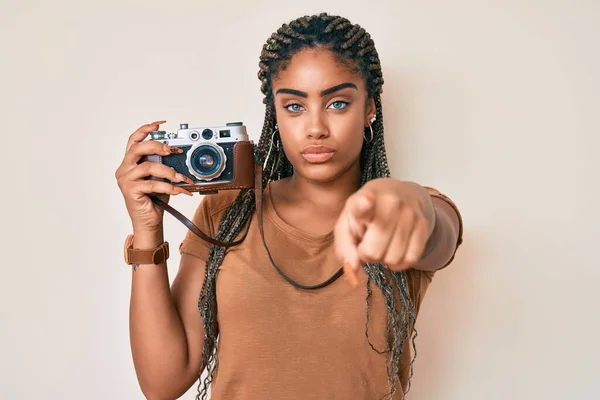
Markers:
215,158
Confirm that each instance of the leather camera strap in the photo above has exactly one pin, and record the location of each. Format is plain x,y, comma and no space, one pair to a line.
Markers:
259,208
191,226
258,196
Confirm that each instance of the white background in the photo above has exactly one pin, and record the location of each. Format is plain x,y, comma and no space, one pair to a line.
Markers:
493,102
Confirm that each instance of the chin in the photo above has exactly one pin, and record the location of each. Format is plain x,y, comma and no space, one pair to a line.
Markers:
323,173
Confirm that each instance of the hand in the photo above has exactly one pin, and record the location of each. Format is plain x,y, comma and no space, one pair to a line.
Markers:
386,221
144,214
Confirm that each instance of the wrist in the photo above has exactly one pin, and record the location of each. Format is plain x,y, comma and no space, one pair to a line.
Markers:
147,239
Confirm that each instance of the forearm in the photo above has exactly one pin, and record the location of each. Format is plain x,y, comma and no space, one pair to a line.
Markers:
442,243
158,341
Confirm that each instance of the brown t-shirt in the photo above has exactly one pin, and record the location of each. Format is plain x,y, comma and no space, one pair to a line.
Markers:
280,342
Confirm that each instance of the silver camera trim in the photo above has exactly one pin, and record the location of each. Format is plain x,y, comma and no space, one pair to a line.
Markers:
217,173
236,132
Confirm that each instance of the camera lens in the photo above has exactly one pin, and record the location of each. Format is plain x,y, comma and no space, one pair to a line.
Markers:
207,161
207,134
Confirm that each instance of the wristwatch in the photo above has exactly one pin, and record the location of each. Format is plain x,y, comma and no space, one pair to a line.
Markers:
157,255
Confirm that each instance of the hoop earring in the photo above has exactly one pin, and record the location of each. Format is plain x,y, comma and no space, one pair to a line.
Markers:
271,145
371,138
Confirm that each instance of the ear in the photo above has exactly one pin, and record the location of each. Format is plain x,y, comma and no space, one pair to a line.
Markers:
370,111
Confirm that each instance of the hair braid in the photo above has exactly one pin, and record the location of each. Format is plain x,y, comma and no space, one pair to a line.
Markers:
353,46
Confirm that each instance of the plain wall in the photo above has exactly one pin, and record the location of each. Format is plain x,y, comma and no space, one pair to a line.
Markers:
495,103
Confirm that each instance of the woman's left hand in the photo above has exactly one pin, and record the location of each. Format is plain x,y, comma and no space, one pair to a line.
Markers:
387,221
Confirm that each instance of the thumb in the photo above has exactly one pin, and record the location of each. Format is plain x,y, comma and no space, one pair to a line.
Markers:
346,247
346,242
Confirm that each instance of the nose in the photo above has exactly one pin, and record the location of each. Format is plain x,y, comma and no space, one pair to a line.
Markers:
318,129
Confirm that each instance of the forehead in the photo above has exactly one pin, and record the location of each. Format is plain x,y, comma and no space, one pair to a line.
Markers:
313,70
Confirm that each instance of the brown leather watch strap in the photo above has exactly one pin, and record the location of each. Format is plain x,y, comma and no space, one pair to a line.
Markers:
157,255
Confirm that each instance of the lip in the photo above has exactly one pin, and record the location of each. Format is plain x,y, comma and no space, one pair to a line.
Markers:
317,154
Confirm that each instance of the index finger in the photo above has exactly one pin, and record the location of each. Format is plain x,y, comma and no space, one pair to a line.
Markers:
141,133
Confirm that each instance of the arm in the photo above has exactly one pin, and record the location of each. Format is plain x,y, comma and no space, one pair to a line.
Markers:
446,236
166,329
398,223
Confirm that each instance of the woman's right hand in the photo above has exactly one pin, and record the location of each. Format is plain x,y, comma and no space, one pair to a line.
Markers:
144,214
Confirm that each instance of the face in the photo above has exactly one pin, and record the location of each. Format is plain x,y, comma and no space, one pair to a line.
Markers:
322,109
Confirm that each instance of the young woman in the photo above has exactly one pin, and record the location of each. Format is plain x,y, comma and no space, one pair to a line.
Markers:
269,320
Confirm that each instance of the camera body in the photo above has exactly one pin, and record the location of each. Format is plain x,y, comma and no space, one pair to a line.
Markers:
214,157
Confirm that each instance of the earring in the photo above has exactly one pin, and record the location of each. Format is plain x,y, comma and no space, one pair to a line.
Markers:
271,146
371,138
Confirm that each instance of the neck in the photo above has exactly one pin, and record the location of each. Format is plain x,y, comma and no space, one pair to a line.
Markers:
332,194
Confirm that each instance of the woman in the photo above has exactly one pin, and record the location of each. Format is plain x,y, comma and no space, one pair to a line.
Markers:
328,201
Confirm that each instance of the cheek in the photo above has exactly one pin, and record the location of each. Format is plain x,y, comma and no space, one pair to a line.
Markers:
350,134
291,134
292,141
355,146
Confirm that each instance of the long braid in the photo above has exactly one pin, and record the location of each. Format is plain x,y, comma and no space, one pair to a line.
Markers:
353,46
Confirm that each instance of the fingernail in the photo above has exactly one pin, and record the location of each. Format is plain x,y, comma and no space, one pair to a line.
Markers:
173,150
182,178
182,190
158,122
351,275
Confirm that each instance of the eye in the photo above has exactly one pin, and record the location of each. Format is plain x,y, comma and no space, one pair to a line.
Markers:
339,105
293,107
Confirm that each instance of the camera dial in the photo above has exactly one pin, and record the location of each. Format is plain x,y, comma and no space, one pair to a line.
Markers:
157,135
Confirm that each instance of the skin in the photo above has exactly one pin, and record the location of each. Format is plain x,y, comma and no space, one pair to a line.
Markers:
165,328
385,220
314,196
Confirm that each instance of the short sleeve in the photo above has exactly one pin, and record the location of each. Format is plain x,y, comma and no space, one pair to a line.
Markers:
437,194
418,282
192,244
207,217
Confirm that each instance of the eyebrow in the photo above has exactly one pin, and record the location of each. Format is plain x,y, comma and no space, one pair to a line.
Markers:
323,93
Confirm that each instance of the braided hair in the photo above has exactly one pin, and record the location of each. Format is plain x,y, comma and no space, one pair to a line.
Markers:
353,47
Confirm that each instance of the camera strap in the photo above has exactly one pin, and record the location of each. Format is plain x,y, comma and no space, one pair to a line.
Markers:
191,226
259,209
258,196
